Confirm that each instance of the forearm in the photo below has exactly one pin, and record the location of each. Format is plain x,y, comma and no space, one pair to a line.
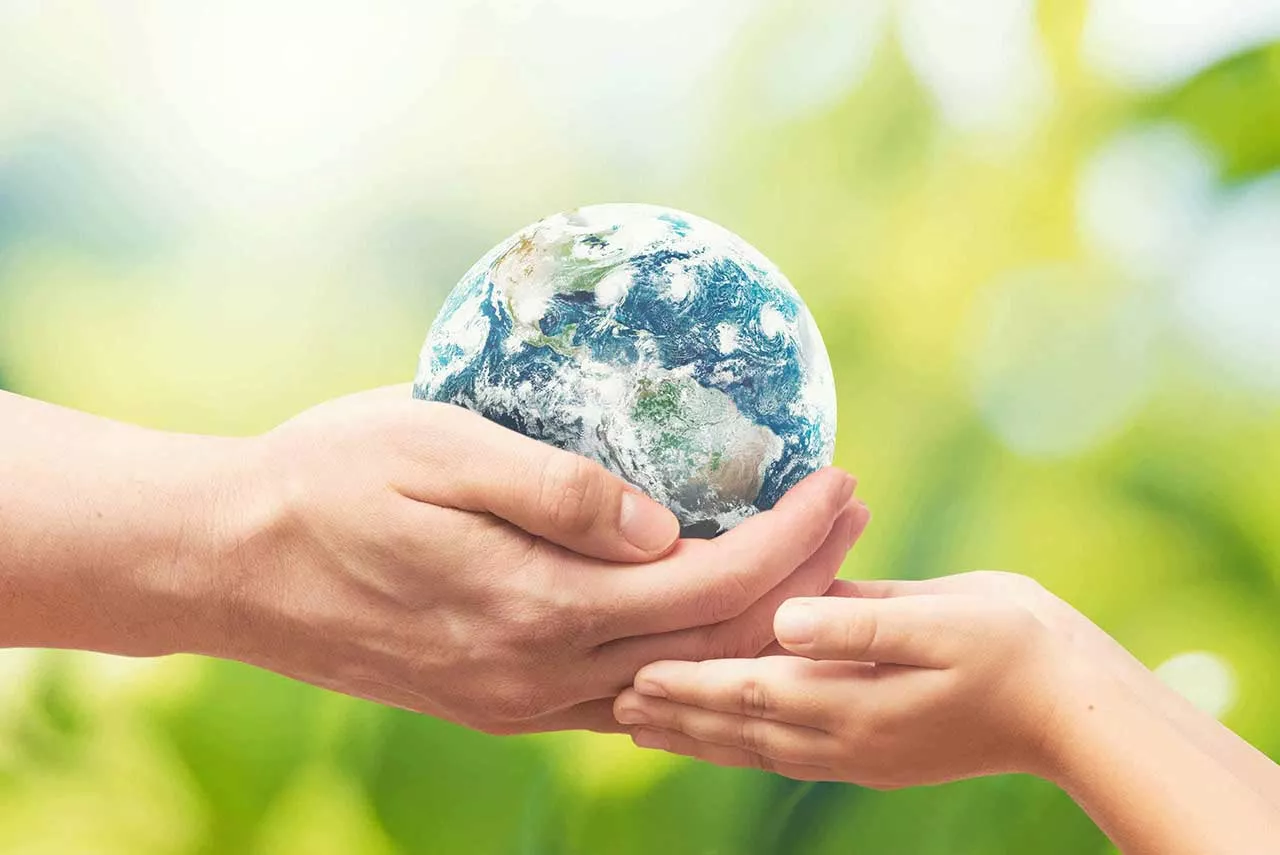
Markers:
1212,737
101,524
1150,788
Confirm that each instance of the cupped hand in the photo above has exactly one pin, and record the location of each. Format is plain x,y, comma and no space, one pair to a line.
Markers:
419,555
896,684
885,692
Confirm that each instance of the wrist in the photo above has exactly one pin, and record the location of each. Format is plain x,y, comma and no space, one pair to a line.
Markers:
170,580
1051,701
234,540
1092,709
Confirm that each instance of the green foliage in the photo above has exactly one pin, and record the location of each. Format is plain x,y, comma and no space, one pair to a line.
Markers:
1235,106
242,737
437,788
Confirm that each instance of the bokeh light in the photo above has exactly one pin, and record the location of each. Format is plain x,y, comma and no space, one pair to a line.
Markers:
1202,678
983,62
1149,44
1144,200
1230,296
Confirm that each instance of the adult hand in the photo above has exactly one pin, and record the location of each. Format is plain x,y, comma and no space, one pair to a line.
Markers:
418,555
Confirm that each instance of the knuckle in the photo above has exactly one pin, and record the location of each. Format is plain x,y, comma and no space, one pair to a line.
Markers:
527,555
571,492
816,582
749,735
1023,587
1014,585
521,625
763,763
1039,601
726,599
858,635
540,617
717,642
537,631
738,639
568,620
753,699
981,581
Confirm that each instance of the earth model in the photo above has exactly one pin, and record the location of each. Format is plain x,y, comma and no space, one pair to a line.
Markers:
652,341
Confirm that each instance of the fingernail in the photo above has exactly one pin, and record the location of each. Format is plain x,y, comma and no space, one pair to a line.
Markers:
646,524
650,739
795,623
650,687
632,715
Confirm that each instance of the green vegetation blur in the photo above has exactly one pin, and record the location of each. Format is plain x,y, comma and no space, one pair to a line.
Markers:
1042,243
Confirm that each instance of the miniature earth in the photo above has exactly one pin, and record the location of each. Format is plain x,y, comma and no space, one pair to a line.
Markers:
653,341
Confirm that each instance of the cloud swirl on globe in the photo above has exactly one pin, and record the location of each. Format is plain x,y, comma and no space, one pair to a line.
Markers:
650,340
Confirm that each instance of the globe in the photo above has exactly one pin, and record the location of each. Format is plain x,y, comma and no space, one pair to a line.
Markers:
652,341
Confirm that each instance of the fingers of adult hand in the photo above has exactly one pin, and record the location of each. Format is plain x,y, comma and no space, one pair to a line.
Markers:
777,688
746,635
707,582
775,739
674,742
473,464
752,631
838,588
928,630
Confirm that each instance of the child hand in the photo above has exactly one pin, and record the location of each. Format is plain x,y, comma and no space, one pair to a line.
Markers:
924,682
905,690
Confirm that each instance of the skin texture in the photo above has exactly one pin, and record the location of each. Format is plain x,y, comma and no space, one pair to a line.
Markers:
411,553
895,684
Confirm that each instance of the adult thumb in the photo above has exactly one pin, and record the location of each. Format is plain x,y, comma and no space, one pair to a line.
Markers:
476,465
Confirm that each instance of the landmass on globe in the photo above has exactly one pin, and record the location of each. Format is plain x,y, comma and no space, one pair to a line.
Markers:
648,339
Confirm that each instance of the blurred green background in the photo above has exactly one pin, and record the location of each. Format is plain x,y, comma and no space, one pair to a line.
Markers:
1042,243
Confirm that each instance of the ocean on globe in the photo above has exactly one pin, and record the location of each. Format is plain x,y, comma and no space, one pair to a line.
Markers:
653,341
